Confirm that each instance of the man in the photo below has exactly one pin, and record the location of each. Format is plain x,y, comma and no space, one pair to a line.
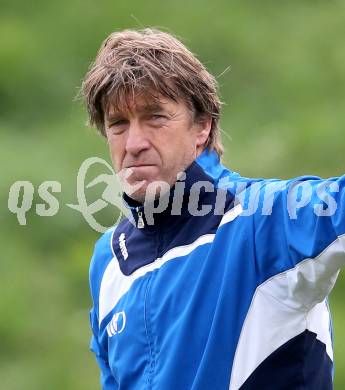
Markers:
216,281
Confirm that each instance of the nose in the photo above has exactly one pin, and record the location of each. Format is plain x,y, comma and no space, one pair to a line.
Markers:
137,141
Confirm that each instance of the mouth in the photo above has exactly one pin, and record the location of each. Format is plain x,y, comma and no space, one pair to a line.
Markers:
140,166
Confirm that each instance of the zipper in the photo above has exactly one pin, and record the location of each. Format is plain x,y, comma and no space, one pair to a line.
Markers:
141,223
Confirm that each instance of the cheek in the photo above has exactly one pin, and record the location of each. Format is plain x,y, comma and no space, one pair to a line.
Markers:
116,153
180,154
186,145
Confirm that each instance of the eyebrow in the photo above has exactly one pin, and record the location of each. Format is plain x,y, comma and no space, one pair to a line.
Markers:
144,109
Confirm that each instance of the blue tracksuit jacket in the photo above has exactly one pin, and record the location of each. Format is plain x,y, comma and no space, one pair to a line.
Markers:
233,300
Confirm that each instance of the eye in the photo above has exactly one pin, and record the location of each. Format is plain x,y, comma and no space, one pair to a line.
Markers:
117,126
156,120
118,123
157,117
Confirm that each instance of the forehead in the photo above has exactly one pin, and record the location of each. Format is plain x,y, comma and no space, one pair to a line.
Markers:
139,104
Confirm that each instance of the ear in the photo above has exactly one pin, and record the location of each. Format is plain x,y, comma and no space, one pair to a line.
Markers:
203,131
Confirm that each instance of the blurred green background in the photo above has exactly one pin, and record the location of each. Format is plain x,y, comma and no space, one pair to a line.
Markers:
284,117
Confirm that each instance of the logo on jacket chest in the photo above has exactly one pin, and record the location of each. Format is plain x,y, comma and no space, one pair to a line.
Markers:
117,324
122,244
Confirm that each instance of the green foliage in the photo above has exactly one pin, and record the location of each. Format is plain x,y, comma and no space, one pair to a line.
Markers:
283,117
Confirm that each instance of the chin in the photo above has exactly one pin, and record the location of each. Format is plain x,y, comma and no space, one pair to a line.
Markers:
138,197
136,190
149,192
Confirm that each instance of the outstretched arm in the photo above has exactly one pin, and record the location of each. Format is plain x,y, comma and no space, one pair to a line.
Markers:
300,234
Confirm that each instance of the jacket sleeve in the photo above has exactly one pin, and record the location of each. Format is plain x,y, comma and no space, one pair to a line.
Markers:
299,234
100,258
106,378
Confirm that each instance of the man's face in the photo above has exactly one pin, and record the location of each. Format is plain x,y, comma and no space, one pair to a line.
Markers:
153,141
